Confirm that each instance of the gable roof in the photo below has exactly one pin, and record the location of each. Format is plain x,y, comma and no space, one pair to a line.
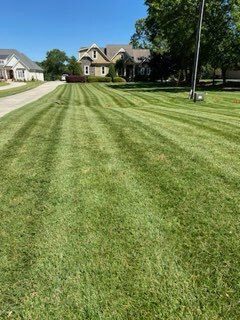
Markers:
30,65
136,54
101,50
113,49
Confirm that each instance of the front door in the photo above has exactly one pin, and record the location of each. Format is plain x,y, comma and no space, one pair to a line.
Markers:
10,74
129,72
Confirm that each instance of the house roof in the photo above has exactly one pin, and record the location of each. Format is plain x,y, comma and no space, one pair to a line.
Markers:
94,46
112,49
137,54
3,56
141,54
31,65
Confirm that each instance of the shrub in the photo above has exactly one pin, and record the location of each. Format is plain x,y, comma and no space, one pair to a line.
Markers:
71,79
141,78
119,79
112,72
98,79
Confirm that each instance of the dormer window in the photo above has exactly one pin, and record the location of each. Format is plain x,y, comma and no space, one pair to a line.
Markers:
94,54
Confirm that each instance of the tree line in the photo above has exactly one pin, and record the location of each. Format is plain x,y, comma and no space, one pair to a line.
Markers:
169,30
57,63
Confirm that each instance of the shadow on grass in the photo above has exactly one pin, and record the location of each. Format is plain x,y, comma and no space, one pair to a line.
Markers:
166,87
149,87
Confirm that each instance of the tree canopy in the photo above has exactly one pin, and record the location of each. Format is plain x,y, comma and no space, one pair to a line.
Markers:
170,28
74,67
140,39
57,62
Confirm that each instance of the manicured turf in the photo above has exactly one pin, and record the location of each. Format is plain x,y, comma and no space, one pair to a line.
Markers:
120,203
28,86
3,84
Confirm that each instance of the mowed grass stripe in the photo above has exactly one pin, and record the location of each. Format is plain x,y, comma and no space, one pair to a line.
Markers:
191,138
227,131
24,187
195,115
223,100
104,292
196,191
119,216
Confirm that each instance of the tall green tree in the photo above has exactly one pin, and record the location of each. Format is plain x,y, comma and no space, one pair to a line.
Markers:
140,39
222,35
112,72
74,67
55,64
175,21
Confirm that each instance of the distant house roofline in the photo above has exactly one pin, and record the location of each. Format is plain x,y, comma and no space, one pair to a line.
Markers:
28,63
112,50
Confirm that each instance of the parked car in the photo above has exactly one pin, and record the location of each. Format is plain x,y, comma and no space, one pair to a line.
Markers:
63,77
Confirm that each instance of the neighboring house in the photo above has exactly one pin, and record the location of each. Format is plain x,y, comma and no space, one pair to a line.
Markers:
95,61
16,66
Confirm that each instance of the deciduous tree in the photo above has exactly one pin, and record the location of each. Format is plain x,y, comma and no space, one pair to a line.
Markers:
74,67
55,64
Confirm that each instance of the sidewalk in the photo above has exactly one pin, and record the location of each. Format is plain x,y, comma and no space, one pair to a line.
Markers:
19,100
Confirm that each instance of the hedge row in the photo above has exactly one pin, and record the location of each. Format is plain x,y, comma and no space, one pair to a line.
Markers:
98,79
91,79
72,79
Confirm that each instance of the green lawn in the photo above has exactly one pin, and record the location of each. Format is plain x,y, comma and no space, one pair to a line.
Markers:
120,203
28,86
3,84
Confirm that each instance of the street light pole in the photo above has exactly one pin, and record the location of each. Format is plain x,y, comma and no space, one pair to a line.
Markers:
197,51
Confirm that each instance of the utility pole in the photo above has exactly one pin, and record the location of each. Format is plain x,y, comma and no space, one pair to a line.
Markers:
197,51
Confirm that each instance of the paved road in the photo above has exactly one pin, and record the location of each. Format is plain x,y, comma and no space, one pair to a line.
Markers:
19,100
13,85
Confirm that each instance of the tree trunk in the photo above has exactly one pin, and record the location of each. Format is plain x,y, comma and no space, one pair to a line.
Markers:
224,76
188,76
179,77
214,76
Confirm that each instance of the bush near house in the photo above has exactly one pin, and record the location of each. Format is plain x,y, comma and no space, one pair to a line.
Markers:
73,79
112,72
91,79
119,79
141,78
98,79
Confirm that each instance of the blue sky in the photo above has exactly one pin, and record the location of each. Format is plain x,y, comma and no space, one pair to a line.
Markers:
35,27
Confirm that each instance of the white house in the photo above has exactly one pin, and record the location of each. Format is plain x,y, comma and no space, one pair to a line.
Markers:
14,65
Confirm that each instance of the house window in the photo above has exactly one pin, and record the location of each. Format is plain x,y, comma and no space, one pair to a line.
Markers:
142,71
148,71
86,70
103,69
20,74
94,54
1,61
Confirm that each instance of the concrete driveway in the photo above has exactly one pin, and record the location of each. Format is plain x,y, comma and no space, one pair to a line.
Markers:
12,85
10,103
